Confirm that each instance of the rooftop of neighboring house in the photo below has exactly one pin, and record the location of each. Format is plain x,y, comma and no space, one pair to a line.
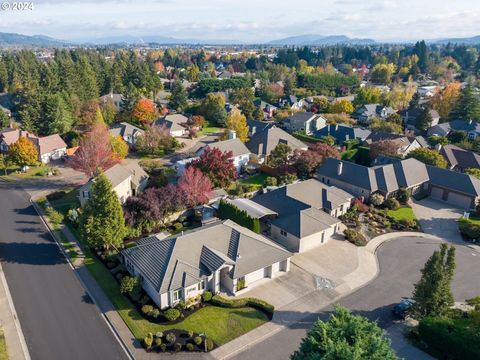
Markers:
372,110
113,97
458,157
300,206
300,117
184,259
10,135
263,142
50,143
236,146
401,174
120,172
172,121
398,139
459,125
413,113
255,126
343,132
125,129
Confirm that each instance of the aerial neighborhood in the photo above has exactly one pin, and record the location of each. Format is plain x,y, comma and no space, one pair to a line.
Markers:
210,195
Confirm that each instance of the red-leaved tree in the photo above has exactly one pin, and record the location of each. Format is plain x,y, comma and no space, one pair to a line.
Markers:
306,162
95,151
325,151
217,166
383,147
196,186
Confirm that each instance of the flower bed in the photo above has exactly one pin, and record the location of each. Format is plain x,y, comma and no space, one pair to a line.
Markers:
177,340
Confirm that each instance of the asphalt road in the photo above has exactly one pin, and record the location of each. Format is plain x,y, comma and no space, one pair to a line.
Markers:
400,263
58,318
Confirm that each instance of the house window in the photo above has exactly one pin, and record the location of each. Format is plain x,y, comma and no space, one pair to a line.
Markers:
86,194
283,232
177,295
201,286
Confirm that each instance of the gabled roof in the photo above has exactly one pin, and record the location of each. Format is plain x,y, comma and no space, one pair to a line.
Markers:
262,143
49,143
125,129
173,122
351,173
256,126
457,156
372,110
343,132
10,135
252,208
300,117
236,146
184,259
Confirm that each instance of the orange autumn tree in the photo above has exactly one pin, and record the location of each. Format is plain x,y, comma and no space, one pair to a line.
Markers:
23,152
445,101
144,111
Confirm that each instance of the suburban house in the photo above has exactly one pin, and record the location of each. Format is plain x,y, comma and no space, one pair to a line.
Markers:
471,128
367,112
304,121
262,143
453,187
174,123
409,116
116,99
268,109
256,126
306,213
343,133
127,180
127,131
292,102
459,159
221,256
403,144
49,148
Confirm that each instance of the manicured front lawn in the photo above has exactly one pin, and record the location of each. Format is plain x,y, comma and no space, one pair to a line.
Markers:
257,180
66,202
404,213
210,130
3,346
34,172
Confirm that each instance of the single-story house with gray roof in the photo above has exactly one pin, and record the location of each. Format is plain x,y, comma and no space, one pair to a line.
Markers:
222,256
127,131
175,123
458,189
306,211
469,127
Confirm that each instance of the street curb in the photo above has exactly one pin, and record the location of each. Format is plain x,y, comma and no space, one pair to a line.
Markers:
84,286
18,326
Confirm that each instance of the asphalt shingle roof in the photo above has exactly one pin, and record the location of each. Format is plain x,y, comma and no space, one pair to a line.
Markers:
262,143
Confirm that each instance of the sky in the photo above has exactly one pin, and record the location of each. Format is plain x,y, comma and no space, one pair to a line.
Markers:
251,21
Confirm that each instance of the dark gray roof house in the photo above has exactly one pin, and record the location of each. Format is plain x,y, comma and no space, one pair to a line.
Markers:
460,159
342,132
127,131
471,128
256,126
174,123
366,112
218,254
453,187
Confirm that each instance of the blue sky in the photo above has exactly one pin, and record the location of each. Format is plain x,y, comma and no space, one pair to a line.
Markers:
247,20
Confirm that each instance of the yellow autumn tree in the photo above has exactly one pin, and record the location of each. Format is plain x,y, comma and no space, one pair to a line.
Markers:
445,101
119,147
343,106
237,122
23,152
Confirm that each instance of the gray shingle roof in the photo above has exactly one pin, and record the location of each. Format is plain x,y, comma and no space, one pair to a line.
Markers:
236,146
343,132
125,129
262,143
185,258
462,158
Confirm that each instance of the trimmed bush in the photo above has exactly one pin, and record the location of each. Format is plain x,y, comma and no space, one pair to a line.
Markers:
54,216
177,226
158,341
354,237
155,313
403,195
171,338
392,204
229,211
147,309
171,314
238,303
469,229
197,340
148,340
209,343
190,347
207,296
190,333
270,181
128,285
181,305
376,199
159,334
177,347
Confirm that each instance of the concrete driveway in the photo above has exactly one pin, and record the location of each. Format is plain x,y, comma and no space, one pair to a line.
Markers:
439,219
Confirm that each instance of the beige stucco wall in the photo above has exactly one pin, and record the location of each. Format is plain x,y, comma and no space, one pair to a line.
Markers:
315,240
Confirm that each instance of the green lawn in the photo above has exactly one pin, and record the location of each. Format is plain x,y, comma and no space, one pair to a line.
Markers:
473,219
34,172
3,346
221,324
402,213
209,130
67,202
257,180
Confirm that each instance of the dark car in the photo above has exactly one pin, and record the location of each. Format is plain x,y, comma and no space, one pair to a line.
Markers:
401,309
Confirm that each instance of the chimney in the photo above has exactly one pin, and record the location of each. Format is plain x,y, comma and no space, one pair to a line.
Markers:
339,168
470,122
438,147
232,134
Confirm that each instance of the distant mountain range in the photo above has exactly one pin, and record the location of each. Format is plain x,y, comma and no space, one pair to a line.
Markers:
18,40
319,40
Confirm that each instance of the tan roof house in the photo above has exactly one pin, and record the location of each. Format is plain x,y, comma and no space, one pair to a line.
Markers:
127,180
49,148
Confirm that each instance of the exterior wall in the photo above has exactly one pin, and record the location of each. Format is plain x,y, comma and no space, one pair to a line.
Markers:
55,155
315,240
124,189
290,242
241,160
342,209
177,133
254,276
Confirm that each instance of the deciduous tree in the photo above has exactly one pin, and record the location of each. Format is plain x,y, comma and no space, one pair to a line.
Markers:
23,152
156,140
429,157
342,107
383,147
217,166
144,111
238,123
196,186
306,161
119,147
325,151
280,155
445,101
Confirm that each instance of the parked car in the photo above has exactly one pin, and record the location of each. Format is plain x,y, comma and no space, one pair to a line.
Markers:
401,309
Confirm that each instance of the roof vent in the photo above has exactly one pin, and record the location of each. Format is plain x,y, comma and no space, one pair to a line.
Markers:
339,168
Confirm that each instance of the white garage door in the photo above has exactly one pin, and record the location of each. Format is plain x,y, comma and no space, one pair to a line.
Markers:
459,200
437,193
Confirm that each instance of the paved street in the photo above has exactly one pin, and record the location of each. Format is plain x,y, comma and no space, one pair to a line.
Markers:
58,319
400,262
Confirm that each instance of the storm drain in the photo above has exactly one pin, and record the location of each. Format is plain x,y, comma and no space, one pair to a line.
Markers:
324,283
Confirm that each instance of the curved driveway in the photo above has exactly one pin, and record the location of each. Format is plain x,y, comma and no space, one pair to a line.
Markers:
400,262
57,316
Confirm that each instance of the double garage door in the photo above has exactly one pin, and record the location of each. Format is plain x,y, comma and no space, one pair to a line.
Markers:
452,198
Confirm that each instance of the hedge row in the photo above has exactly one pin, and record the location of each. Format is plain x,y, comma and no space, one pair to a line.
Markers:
452,338
229,211
239,303
469,229
304,137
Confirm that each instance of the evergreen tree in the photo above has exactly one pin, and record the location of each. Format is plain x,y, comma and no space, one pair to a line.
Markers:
415,101
421,51
178,98
57,116
102,223
468,105
424,120
345,336
432,294
4,119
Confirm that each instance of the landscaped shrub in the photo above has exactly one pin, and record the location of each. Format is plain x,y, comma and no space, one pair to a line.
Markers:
229,211
171,338
391,204
190,347
163,347
181,305
171,314
403,195
238,303
376,199
128,285
190,333
178,226
177,347
355,237
155,313
360,205
468,229
54,216
207,296
209,344
288,179
350,234
158,341
148,340
475,302
147,309
270,181
197,340
159,334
